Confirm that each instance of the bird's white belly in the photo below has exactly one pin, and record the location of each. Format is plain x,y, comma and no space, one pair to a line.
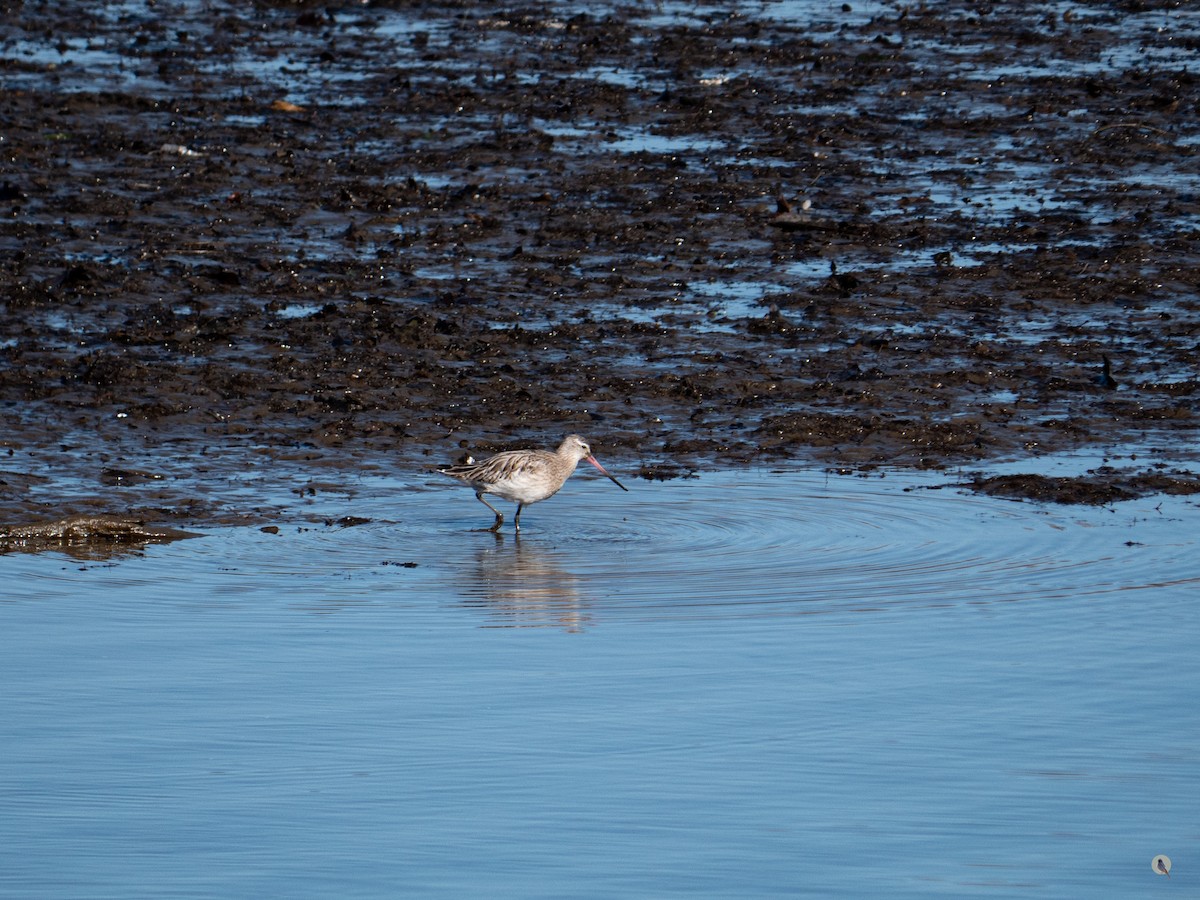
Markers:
524,487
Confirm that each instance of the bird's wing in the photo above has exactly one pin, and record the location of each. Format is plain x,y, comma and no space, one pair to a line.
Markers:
502,466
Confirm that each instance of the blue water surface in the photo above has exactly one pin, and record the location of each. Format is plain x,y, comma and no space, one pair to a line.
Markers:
748,684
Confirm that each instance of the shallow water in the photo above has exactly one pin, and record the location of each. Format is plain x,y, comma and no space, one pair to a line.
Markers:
745,684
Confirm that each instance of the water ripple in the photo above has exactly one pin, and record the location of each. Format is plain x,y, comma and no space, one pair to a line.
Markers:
725,545
737,545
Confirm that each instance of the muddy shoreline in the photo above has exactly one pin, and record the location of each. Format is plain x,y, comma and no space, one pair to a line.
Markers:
289,238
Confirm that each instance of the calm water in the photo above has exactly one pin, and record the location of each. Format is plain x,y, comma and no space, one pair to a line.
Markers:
743,685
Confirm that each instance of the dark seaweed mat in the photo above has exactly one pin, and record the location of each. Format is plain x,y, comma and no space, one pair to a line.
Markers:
323,239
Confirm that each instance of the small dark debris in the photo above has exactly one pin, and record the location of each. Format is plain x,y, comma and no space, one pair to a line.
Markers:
347,521
113,476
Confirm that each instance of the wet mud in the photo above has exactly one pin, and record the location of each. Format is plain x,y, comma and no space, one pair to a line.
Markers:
1099,487
86,537
301,238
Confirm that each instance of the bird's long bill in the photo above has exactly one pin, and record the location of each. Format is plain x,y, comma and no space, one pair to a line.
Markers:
608,474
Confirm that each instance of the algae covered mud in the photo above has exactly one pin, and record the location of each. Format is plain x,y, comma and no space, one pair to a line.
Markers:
313,239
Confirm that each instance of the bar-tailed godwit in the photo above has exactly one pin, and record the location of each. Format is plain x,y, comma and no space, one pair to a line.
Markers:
525,476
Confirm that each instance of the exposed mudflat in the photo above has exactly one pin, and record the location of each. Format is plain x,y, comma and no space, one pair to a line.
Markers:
86,536
316,240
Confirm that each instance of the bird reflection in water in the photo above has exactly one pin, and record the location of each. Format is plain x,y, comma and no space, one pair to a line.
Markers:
523,586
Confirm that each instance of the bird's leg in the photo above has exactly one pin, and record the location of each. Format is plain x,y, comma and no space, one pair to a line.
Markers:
517,517
499,515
